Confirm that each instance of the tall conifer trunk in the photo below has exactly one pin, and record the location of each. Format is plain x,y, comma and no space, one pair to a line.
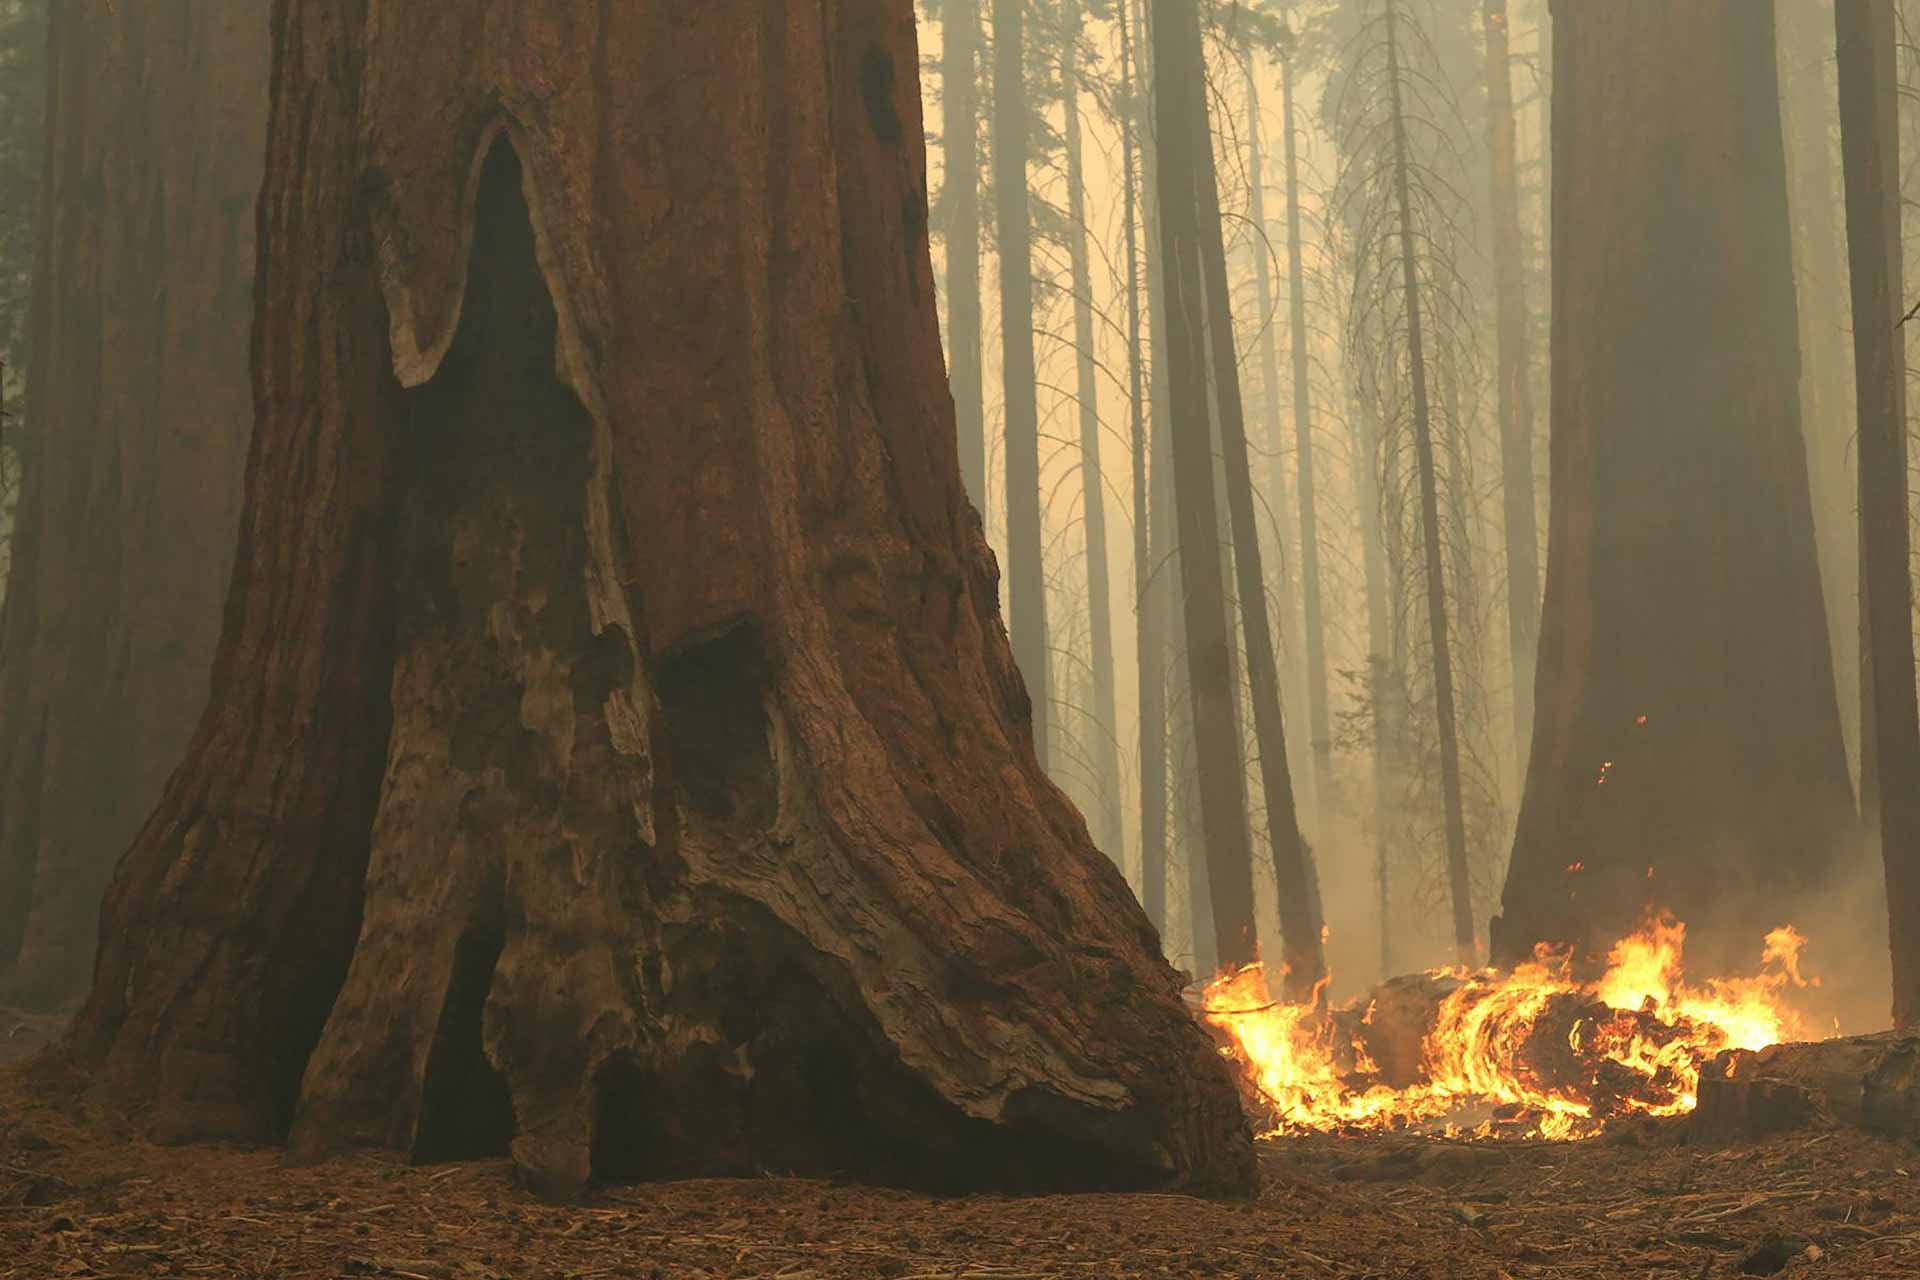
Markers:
959,83
1026,572
1437,622
1104,740
1303,451
1148,512
1180,118
1299,897
1513,378
1279,501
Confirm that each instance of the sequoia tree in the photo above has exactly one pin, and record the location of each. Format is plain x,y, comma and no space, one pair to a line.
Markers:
1687,747
616,753
132,466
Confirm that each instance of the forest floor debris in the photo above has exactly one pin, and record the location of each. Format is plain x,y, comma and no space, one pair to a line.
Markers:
81,1197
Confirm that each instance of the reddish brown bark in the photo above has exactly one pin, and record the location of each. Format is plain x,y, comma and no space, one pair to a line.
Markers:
132,469
1684,655
617,749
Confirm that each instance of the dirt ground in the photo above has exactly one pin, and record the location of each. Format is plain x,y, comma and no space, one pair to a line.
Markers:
80,1197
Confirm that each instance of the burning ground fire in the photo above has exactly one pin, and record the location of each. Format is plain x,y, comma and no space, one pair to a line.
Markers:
1527,1053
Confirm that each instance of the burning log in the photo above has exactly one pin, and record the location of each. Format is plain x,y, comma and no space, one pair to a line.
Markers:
1530,1051
1864,1082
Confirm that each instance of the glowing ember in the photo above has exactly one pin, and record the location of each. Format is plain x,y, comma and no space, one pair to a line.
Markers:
1531,1052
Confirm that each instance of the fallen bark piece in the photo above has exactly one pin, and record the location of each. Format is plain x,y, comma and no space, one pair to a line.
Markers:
1865,1082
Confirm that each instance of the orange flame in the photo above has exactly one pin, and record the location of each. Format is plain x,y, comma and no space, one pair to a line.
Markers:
1527,1052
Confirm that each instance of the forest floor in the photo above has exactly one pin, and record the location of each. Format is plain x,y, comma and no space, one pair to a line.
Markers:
80,1197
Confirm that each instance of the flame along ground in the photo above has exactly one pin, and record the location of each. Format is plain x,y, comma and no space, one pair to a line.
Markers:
1637,1040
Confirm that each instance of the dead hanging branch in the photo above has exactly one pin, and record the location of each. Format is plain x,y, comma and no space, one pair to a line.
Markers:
1410,321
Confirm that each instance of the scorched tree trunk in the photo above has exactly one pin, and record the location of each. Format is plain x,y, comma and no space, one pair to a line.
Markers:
1687,747
616,751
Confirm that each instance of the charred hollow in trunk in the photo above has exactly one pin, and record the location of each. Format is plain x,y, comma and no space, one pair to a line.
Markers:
708,833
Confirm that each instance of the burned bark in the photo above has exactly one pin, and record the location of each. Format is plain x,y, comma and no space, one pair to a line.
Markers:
1866,1082
617,752
1687,742
132,470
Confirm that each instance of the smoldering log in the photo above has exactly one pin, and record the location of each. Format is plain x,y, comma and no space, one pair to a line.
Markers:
1864,1082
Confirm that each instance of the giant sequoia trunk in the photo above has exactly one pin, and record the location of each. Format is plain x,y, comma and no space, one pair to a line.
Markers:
1687,737
124,542
617,752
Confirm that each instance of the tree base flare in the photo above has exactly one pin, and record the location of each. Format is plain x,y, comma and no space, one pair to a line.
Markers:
617,757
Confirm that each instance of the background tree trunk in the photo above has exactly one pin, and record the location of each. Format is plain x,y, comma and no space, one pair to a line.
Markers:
1103,723
1514,379
125,532
1299,900
616,744
1319,727
959,85
1441,656
1684,652
1809,117
1026,570
1179,118
1870,123
1279,503
1149,597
